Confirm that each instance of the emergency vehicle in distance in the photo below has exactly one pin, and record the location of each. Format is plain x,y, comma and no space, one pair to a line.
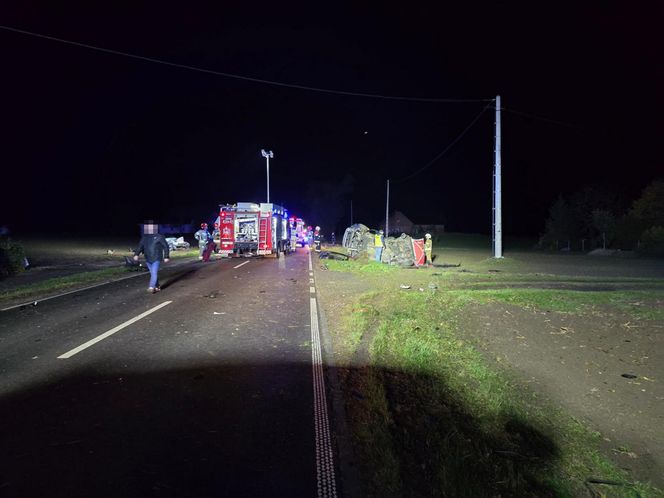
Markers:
298,232
249,228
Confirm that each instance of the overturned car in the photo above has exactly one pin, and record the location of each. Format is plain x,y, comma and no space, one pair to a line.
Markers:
402,250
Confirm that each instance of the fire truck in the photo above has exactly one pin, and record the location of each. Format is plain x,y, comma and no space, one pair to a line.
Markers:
251,229
298,231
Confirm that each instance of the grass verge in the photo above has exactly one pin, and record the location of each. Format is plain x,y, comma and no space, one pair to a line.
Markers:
431,417
53,285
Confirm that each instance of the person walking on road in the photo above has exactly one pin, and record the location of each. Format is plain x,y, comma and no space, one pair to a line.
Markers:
428,246
378,244
203,237
155,248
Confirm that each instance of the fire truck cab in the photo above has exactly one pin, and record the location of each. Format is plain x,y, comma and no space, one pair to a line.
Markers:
249,228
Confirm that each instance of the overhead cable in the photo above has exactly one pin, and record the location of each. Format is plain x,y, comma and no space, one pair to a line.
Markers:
446,149
239,76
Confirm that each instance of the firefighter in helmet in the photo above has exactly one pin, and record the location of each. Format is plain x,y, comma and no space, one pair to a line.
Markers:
317,237
427,249
203,237
378,244
216,238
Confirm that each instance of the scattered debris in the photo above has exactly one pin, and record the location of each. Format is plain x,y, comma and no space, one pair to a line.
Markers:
629,376
333,255
219,313
404,286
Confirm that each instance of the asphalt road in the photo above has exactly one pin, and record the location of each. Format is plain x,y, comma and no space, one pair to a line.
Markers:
204,389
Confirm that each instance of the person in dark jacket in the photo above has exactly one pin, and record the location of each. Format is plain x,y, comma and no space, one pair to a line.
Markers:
155,248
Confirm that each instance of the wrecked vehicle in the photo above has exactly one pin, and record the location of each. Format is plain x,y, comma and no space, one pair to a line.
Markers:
177,243
358,239
402,250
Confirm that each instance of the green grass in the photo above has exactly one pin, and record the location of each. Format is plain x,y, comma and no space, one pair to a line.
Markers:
436,419
184,254
63,283
361,267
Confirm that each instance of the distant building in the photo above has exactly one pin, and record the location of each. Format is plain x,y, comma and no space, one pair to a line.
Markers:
435,229
399,223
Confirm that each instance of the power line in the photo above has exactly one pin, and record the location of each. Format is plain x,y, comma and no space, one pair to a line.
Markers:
446,149
239,76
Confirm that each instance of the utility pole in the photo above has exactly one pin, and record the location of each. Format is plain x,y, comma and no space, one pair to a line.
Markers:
267,155
497,191
387,210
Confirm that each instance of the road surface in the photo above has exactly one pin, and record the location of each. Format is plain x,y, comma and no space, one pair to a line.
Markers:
204,389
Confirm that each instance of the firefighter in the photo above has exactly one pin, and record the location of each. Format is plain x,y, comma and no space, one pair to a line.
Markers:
428,245
216,238
378,244
203,237
317,239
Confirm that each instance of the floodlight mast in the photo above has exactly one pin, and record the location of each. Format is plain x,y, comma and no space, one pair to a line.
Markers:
267,155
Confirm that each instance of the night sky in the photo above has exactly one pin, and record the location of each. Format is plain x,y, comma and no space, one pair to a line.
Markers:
94,142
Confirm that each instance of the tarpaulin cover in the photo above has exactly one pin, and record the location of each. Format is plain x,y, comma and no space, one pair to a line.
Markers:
418,251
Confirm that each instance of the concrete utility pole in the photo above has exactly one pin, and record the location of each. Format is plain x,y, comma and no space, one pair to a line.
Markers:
267,155
387,210
497,191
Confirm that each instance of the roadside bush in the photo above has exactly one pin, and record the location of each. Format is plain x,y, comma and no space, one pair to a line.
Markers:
11,257
652,242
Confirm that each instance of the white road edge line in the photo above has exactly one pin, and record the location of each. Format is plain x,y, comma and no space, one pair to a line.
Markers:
325,475
241,264
103,336
70,292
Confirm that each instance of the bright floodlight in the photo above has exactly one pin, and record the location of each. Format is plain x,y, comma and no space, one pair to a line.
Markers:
267,153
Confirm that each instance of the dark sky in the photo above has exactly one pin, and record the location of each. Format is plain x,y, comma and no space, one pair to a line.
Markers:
94,142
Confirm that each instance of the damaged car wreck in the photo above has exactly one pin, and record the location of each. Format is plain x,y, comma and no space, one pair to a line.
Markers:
402,251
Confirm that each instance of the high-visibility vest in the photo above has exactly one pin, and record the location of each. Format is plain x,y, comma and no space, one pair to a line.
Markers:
378,241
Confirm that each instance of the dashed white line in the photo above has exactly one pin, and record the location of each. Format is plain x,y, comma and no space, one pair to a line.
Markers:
103,336
241,264
312,290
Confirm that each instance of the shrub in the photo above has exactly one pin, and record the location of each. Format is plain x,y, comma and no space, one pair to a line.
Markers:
12,256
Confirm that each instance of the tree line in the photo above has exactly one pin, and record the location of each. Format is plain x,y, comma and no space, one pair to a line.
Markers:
598,218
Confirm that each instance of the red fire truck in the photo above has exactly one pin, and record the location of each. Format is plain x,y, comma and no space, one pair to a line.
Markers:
248,228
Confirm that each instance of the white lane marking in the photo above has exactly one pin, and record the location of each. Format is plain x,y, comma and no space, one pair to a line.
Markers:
312,290
241,264
311,280
310,268
311,274
327,487
103,336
